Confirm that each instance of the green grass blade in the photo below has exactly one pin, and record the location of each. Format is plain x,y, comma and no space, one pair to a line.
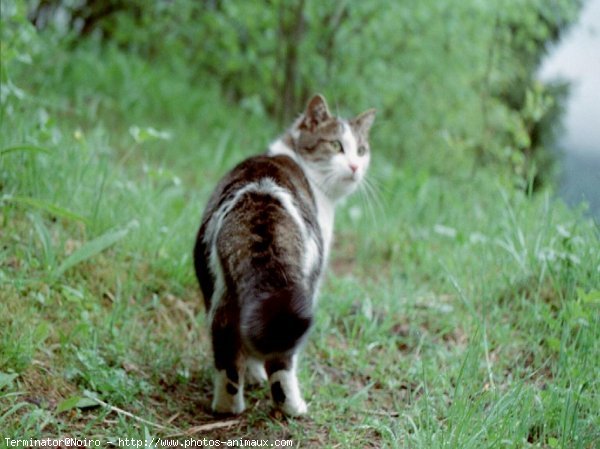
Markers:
48,207
26,148
90,249
12,410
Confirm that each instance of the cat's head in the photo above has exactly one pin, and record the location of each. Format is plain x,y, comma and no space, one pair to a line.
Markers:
335,151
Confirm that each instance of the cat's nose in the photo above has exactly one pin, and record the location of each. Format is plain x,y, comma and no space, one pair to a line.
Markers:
353,167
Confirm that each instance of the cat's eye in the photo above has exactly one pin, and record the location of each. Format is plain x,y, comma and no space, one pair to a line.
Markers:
337,146
362,150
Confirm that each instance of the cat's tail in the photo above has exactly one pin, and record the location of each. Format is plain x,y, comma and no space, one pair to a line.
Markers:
276,322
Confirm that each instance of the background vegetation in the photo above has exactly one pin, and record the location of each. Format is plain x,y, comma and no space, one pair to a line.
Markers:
461,310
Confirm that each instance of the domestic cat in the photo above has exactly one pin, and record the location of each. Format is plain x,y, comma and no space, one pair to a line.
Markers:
262,246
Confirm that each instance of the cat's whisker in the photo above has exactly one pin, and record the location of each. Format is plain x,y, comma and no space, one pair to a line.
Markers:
362,195
329,179
371,191
376,194
377,185
366,198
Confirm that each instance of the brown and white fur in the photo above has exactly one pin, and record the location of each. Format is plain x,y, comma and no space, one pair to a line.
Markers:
262,246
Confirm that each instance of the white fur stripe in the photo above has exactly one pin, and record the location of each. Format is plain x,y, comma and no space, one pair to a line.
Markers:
265,186
349,140
278,148
325,206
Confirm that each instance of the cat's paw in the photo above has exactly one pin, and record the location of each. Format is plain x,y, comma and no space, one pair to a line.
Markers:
228,404
255,374
295,407
228,397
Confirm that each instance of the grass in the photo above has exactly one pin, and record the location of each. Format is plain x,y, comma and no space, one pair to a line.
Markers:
458,312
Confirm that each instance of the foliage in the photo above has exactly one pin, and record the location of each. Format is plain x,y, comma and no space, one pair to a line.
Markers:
460,312
447,77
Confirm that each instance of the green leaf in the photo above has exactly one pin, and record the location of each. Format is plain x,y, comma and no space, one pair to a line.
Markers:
67,404
26,148
75,402
72,294
87,403
48,207
591,297
553,343
6,379
90,249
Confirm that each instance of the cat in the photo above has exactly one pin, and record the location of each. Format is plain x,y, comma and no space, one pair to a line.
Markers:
262,246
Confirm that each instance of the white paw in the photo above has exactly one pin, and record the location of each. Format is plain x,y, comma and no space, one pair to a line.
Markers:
226,403
285,392
296,407
255,373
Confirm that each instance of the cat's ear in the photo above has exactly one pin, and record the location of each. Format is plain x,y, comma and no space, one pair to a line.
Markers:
364,121
316,112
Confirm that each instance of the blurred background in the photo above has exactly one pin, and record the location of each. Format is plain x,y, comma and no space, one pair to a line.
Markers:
576,60
455,83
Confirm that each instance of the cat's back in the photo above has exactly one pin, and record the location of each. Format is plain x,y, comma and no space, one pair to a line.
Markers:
280,171
263,212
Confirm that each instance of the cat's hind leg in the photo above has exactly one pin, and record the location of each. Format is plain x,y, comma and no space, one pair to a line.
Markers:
229,363
285,389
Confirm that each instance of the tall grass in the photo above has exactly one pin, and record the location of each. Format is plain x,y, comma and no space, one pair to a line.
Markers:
459,312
